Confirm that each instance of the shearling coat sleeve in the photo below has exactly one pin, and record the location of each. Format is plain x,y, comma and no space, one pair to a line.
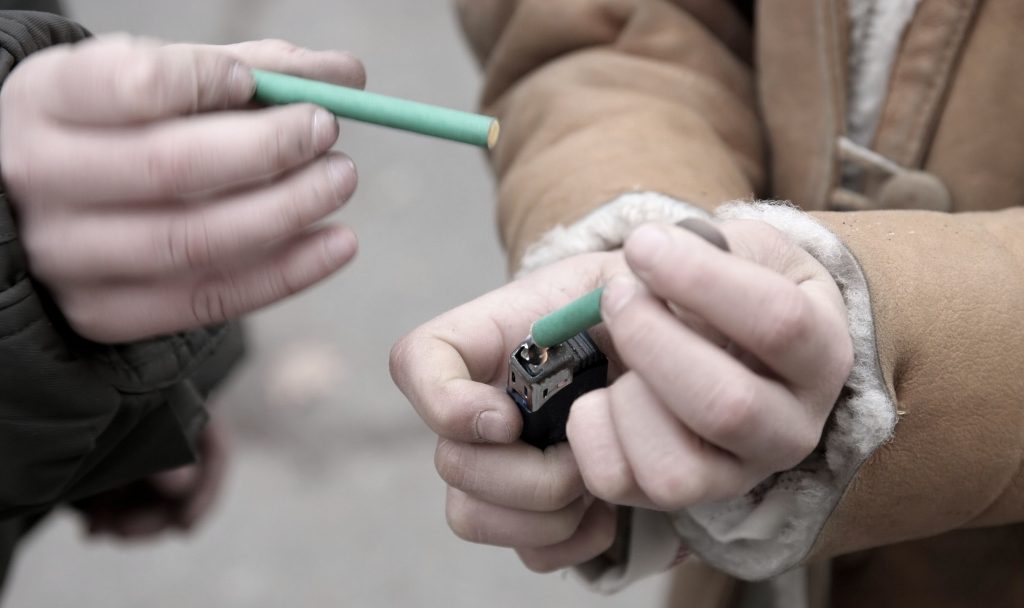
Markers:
668,81
947,297
928,434
646,109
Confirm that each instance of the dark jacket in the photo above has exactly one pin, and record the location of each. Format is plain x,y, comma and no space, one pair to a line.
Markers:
77,417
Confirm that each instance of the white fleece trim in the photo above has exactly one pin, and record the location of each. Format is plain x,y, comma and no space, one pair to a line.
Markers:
653,548
606,227
876,33
773,528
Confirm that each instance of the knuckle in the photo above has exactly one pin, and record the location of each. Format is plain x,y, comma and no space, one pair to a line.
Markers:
556,488
273,146
281,284
565,523
675,487
540,560
786,322
209,304
140,81
292,213
611,483
451,464
731,410
462,520
172,168
398,356
209,75
84,315
198,244
188,244
290,139
279,45
801,444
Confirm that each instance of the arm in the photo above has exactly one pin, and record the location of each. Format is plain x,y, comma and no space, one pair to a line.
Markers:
926,436
600,99
930,364
111,306
947,303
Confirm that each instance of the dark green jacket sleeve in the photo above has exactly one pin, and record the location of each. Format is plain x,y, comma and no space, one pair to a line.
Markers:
77,417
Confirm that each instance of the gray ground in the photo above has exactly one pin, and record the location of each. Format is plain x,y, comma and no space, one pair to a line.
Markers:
333,500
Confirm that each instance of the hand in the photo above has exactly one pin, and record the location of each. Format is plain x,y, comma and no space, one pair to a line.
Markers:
179,498
707,414
767,318
151,196
502,491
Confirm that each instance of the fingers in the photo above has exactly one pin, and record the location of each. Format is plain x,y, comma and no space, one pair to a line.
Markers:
175,498
174,239
599,454
138,523
145,310
431,366
516,475
177,483
631,450
183,157
481,522
594,536
123,80
212,468
673,467
338,67
227,229
712,393
445,367
756,306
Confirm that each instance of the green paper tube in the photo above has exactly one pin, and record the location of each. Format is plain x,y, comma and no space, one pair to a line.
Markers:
557,327
274,88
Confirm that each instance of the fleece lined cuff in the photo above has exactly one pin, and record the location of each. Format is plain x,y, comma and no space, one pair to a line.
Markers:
774,527
606,227
653,547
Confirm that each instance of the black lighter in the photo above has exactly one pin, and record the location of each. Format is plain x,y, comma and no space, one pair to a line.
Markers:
544,383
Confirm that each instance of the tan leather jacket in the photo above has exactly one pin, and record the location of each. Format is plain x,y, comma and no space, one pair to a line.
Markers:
599,98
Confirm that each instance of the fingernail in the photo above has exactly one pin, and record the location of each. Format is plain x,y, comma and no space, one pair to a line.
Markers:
646,244
339,246
241,84
491,426
325,129
706,230
617,293
341,171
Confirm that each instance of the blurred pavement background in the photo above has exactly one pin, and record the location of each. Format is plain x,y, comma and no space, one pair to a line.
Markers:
332,499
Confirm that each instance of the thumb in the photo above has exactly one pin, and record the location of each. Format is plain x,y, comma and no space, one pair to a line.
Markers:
176,483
